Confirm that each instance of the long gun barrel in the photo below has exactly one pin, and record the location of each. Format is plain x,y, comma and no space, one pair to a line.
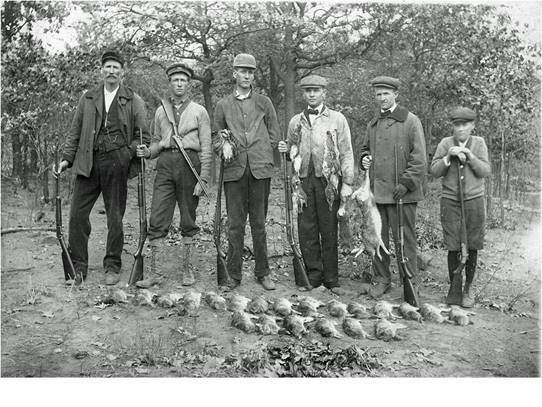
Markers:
409,293
67,264
137,269
222,275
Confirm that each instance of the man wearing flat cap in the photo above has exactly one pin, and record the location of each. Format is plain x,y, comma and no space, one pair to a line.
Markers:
322,140
394,129
252,120
175,182
101,147
462,157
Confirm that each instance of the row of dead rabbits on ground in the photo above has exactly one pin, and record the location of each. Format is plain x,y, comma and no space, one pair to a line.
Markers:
297,316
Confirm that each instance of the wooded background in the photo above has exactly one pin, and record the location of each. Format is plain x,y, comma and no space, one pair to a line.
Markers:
445,55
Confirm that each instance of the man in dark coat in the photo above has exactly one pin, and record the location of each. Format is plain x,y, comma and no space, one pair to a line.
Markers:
394,129
252,120
101,147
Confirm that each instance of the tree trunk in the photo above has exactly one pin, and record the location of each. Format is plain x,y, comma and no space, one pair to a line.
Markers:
16,156
46,197
289,77
208,100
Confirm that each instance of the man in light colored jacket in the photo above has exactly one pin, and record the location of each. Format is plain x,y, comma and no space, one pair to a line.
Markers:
174,182
326,170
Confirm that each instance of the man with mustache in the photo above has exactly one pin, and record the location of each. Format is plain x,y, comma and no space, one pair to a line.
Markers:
174,181
324,141
252,120
468,154
394,129
101,147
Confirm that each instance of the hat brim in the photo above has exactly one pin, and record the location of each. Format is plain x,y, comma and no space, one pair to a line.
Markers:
245,66
312,86
111,58
183,72
384,85
462,120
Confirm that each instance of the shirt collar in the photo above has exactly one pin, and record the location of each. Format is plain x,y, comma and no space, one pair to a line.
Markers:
172,101
112,93
238,96
320,107
391,109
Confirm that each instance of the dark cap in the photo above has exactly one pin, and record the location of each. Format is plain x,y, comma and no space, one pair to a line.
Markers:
114,55
462,114
244,61
179,68
313,81
385,82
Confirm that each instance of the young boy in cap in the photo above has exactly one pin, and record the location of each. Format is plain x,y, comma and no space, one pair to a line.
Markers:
467,154
101,147
252,120
174,182
327,173
394,129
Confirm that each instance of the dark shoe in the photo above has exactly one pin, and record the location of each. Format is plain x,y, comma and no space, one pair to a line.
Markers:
468,300
147,283
379,289
266,282
112,278
232,285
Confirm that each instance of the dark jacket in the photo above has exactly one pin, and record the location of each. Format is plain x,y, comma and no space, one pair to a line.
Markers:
403,129
79,145
256,140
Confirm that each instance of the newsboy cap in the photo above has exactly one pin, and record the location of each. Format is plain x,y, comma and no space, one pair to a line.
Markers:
462,114
385,82
313,81
244,61
179,68
114,55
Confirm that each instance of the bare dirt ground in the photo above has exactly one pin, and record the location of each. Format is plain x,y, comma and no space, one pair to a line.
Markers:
51,330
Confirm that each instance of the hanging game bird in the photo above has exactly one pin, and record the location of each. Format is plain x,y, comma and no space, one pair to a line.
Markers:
331,168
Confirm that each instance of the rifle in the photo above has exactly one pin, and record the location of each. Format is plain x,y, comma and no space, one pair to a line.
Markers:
137,269
67,263
179,143
300,271
409,293
455,294
222,275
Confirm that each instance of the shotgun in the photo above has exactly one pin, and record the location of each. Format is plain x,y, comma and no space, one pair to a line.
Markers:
178,141
455,294
300,271
67,263
409,293
137,269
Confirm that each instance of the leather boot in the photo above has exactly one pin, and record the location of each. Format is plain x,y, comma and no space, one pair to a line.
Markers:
186,258
470,270
150,266
453,263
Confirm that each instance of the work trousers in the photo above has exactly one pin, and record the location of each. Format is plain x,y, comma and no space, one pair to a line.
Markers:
174,183
318,229
247,196
109,176
389,216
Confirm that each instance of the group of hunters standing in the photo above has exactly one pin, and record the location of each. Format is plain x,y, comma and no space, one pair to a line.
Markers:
103,146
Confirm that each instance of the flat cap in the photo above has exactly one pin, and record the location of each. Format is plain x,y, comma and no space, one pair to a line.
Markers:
385,82
244,61
114,55
313,81
179,68
462,114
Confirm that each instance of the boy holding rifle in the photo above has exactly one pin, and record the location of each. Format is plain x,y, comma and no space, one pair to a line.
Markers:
462,158
178,175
